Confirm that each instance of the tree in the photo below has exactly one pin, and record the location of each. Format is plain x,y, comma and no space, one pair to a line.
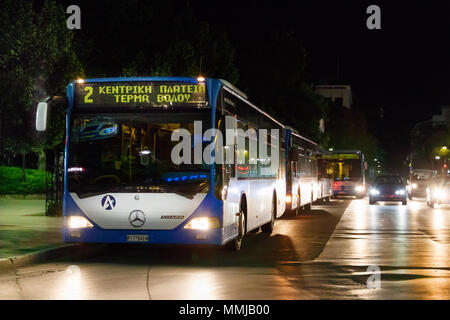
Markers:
36,60
157,38
18,57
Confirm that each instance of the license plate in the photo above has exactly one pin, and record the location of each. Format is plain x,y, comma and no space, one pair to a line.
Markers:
137,237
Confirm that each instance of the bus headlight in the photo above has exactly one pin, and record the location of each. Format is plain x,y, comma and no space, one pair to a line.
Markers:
76,222
203,223
359,189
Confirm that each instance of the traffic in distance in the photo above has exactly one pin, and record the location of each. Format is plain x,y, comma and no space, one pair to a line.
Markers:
122,184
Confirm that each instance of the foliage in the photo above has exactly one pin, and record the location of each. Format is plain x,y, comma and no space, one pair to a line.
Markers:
36,60
11,183
157,38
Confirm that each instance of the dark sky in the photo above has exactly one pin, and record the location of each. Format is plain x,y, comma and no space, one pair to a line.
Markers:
403,68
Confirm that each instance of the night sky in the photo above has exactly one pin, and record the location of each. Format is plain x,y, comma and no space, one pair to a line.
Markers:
402,68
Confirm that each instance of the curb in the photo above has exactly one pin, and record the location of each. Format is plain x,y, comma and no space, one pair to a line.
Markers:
46,255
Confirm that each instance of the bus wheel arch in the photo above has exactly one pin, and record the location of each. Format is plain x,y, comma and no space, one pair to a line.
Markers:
268,227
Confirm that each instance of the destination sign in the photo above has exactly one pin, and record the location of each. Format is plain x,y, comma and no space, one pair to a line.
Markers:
344,156
141,94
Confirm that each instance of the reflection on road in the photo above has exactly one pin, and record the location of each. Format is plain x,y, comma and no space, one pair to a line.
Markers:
321,254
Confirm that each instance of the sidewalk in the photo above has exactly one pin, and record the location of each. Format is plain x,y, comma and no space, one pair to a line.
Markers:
24,228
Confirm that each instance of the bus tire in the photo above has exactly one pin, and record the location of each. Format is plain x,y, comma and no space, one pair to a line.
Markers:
268,227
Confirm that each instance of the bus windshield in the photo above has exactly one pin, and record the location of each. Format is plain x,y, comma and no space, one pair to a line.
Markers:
347,170
132,153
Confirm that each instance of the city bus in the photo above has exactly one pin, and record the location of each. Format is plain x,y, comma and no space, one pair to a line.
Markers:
305,183
347,169
121,184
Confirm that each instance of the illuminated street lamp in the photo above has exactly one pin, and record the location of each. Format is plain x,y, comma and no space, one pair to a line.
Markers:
437,158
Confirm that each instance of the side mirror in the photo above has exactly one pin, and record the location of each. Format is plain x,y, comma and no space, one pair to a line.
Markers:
42,116
43,111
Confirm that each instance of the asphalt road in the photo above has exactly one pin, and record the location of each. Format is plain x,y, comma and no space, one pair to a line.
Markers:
324,253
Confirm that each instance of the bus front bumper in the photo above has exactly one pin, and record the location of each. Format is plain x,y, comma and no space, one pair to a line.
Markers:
175,236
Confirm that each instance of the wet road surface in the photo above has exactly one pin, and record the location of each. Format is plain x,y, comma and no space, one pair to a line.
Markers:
321,254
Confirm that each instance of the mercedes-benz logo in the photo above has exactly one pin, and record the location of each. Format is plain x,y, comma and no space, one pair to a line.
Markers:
137,218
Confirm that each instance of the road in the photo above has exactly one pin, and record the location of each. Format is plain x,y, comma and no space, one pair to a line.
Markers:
321,254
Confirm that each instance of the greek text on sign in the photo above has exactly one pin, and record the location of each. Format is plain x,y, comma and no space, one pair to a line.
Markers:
141,94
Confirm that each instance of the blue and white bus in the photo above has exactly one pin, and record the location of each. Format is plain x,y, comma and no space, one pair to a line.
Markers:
120,184
306,180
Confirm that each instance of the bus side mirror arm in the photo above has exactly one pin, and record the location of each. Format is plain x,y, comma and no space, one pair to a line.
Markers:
44,110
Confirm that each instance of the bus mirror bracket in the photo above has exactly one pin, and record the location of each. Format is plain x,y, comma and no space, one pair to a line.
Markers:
43,111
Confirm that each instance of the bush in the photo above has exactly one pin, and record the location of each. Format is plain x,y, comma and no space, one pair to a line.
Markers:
11,181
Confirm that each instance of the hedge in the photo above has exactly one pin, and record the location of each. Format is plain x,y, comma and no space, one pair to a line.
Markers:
11,181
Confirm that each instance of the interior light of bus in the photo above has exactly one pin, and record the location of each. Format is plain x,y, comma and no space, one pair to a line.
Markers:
203,223
75,169
144,152
76,222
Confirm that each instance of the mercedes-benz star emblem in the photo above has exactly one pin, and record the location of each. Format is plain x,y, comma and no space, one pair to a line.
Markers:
137,218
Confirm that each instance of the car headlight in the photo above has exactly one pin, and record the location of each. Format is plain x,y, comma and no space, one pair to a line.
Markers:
440,193
414,185
203,223
374,192
400,192
359,189
77,222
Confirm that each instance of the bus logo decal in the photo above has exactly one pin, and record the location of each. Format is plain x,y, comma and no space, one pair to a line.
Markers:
108,202
137,218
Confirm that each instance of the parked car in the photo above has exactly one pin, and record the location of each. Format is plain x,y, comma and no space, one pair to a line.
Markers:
388,188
